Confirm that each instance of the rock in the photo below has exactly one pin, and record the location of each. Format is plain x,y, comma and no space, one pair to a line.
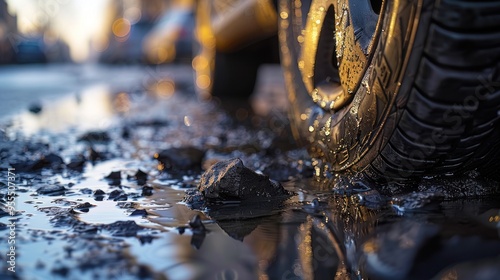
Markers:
61,271
123,228
3,213
231,180
181,159
93,155
121,197
141,177
199,231
77,163
86,191
50,160
145,239
194,199
95,137
99,192
139,212
126,133
83,207
35,108
196,224
51,190
147,191
115,194
181,229
153,123
114,178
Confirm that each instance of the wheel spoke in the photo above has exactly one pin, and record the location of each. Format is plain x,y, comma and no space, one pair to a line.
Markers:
336,49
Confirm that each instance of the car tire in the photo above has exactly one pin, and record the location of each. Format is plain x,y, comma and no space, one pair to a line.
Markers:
423,101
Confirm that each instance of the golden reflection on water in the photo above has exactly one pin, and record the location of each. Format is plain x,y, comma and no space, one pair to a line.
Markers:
91,108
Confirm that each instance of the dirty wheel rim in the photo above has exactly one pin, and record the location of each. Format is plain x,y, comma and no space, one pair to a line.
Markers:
337,47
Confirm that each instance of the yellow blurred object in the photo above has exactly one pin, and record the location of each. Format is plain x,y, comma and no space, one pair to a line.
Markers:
242,24
121,27
165,88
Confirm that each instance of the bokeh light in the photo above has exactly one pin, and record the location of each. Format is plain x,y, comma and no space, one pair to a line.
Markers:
121,27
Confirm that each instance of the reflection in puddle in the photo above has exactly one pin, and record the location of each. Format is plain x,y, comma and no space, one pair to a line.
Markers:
90,109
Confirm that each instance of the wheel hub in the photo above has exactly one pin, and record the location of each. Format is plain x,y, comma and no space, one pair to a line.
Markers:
338,42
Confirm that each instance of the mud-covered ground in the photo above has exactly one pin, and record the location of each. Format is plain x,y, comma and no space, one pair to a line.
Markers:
100,168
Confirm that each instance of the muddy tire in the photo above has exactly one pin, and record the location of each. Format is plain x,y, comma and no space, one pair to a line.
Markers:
395,89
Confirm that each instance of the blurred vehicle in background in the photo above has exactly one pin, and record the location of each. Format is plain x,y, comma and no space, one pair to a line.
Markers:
36,49
127,49
171,39
235,38
30,51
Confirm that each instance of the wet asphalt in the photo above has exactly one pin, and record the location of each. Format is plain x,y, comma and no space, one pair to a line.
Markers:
105,163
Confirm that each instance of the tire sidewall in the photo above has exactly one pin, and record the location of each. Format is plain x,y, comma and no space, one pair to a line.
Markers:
351,138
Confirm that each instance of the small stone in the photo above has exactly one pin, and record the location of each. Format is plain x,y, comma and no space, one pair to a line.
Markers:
99,192
95,137
197,225
194,199
86,191
123,228
94,155
50,160
62,271
139,212
181,230
147,191
125,133
114,194
122,197
231,180
84,205
35,108
77,163
181,159
141,177
146,239
51,190
114,178
3,213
